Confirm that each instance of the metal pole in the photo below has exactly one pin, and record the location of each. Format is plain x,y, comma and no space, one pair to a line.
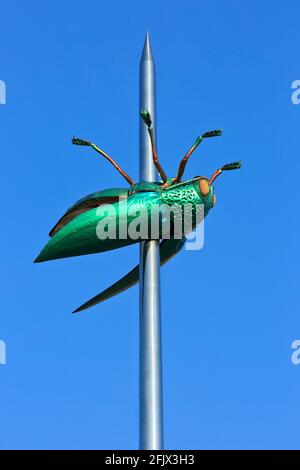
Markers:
151,419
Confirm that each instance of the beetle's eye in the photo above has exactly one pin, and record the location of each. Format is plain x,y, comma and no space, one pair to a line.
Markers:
204,187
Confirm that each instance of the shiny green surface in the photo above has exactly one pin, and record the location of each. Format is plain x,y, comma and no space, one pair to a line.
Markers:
79,236
168,249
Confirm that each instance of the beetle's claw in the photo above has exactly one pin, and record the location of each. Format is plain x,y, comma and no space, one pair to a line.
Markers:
214,133
232,166
146,116
77,141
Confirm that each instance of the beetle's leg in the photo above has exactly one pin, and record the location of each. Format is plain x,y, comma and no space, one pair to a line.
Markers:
189,153
86,143
227,167
146,116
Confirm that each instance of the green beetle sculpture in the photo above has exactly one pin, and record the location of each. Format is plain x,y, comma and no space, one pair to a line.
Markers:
76,233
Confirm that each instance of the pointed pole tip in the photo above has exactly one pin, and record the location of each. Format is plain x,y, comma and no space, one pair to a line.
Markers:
147,51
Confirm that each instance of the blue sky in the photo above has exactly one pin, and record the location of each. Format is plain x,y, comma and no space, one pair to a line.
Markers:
230,311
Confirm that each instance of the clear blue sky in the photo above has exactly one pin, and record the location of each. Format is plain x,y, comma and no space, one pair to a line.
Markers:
230,311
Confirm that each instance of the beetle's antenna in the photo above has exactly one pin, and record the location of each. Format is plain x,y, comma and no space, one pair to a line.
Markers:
86,143
146,116
197,142
227,167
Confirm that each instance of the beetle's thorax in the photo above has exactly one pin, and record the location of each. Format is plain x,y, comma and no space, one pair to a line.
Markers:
187,193
144,187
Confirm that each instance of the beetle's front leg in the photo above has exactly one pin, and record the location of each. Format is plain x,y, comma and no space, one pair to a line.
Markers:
197,142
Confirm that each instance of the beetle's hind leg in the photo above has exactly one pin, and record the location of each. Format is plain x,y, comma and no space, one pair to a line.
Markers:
86,143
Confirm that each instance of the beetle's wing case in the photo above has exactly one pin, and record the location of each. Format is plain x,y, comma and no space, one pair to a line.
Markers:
80,235
106,196
167,249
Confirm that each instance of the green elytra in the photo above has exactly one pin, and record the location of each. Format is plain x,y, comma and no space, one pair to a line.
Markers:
76,233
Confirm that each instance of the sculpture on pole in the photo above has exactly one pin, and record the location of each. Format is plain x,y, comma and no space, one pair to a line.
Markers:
158,215
76,234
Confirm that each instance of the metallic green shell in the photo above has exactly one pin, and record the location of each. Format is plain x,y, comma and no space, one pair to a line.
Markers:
111,192
79,235
187,193
88,202
167,249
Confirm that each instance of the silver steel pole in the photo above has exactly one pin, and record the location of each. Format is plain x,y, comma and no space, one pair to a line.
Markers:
151,409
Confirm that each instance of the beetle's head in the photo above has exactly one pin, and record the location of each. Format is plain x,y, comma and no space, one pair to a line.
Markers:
205,185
